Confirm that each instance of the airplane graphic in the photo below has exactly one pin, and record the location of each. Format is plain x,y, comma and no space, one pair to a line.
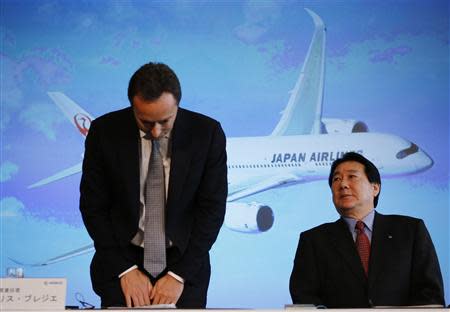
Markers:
300,149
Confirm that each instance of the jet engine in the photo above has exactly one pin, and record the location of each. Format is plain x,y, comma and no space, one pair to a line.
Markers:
333,125
248,217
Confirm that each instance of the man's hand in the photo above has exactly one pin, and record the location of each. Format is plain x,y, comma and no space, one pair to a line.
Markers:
136,288
167,290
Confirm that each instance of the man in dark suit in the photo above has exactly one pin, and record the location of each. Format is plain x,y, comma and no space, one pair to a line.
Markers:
387,260
114,192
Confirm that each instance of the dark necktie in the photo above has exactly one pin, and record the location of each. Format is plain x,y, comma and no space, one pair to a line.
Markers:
362,245
154,232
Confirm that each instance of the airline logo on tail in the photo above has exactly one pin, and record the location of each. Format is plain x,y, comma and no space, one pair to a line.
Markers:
82,122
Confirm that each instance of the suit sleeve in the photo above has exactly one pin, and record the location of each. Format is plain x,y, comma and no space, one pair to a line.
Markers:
304,284
426,281
95,203
210,203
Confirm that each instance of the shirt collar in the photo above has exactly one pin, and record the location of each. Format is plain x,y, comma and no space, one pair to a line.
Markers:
163,142
368,221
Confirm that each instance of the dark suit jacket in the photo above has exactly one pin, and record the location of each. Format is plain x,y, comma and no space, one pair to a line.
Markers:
109,200
403,267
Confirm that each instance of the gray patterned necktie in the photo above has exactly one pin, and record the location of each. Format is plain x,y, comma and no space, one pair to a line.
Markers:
154,232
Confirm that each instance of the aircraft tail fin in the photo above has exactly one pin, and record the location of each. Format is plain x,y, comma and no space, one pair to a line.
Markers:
80,119
303,112
77,116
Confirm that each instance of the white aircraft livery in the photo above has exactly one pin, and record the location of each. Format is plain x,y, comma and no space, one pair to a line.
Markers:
300,149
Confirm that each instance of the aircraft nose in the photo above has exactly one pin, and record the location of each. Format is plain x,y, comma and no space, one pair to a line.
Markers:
423,161
416,157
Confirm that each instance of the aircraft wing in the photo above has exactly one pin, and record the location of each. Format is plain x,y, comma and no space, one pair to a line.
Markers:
303,112
263,185
66,256
58,176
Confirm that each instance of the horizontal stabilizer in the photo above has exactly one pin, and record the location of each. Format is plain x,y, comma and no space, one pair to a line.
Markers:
66,256
58,176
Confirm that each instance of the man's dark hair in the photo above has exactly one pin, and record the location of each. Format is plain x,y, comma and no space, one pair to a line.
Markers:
151,80
371,171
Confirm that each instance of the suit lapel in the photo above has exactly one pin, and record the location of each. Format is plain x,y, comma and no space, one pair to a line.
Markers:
180,157
343,242
127,141
381,236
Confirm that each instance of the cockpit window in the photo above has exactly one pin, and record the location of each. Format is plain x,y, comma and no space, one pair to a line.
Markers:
407,151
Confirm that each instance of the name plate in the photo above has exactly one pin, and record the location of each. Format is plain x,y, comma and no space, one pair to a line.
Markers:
32,293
